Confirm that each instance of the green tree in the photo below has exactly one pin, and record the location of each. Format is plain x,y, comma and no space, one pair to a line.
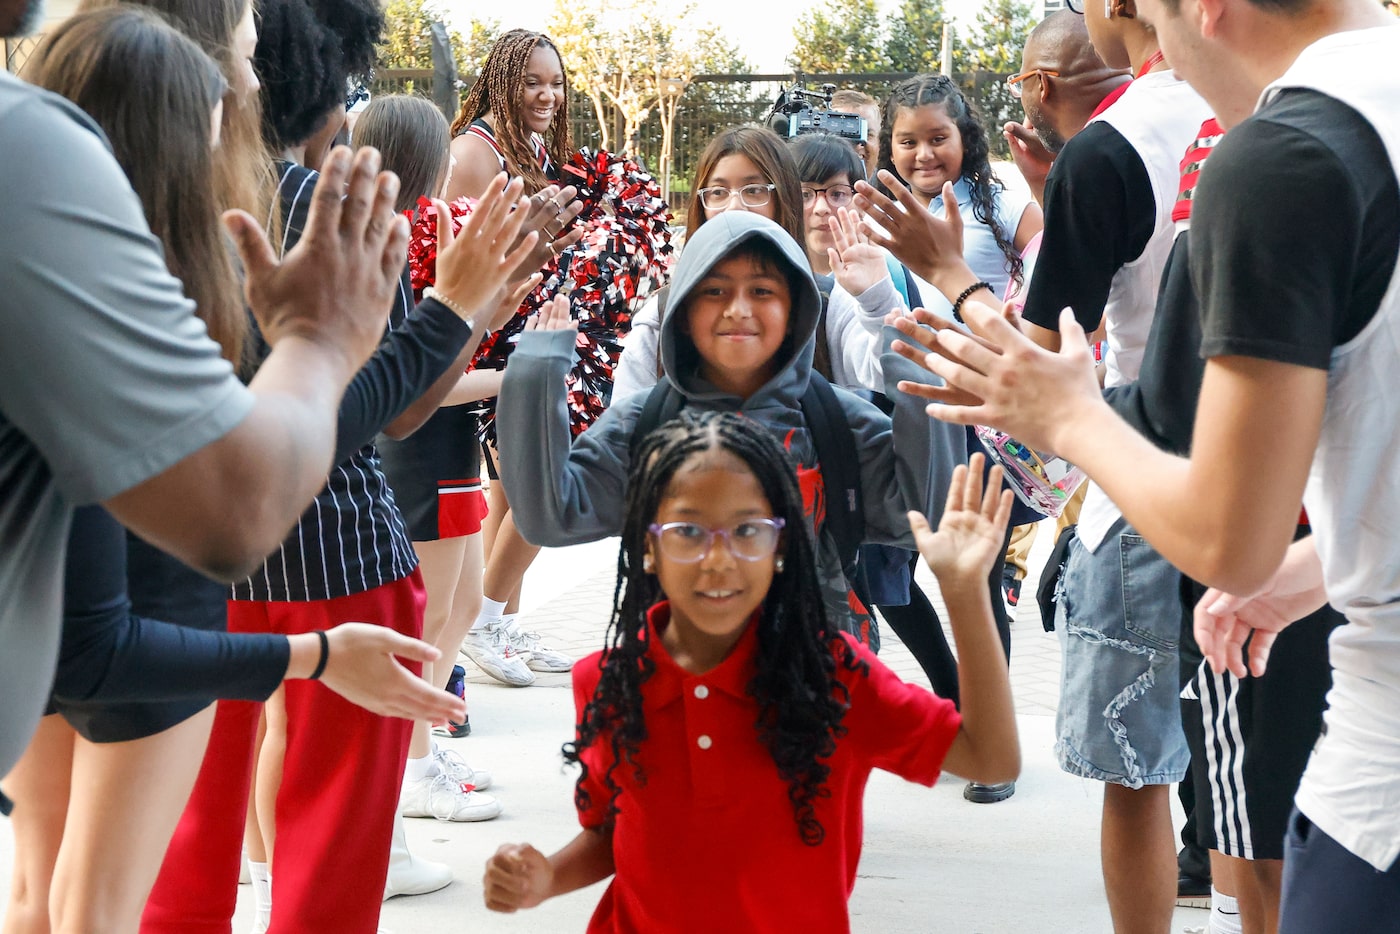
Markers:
407,42
914,36
991,51
838,36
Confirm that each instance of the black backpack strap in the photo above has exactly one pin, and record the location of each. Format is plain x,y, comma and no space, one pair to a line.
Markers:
664,402
840,466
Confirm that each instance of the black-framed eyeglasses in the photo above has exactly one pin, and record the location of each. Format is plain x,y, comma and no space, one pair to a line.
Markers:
838,196
689,542
753,196
1013,82
1075,6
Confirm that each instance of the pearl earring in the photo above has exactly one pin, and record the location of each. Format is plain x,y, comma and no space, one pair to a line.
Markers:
778,566
647,565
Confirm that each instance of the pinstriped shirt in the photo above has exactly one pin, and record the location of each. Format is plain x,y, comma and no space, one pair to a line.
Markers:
352,538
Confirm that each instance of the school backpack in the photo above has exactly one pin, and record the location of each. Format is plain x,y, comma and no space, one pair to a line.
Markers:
835,446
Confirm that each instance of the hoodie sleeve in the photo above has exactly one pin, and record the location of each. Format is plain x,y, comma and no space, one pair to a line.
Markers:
641,349
563,490
853,344
907,460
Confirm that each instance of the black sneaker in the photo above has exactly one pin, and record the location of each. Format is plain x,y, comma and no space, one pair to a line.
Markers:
1192,891
978,793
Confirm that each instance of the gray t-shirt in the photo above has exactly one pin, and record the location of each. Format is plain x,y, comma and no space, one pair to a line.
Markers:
106,376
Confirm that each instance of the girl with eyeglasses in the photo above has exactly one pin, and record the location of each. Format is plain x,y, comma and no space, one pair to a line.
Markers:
721,660
744,168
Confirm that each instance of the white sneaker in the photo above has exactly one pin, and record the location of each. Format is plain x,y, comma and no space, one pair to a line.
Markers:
446,799
409,875
490,647
455,767
537,655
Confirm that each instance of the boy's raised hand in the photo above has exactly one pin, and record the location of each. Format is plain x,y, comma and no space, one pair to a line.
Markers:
970,535
517,876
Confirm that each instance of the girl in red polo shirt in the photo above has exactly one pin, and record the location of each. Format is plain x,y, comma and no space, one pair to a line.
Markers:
726,734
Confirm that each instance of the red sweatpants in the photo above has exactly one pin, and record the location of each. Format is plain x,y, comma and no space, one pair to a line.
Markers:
335,810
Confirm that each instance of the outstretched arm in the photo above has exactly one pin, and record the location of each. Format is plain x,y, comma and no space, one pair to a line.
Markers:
1220,516
961,554
520,876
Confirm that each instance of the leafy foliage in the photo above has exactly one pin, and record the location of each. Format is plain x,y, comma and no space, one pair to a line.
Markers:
407,42
839,36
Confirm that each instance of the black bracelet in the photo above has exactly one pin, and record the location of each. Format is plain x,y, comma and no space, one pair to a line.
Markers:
325,655
964,295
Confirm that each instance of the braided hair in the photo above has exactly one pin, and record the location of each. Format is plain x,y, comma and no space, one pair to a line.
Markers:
976,162
801,702
497,92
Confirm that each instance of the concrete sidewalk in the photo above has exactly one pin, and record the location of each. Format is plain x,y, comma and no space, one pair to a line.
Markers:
932,862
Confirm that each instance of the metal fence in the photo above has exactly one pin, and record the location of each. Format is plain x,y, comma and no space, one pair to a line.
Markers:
714,102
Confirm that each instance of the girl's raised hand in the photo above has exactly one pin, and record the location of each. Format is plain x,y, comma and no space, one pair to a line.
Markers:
552,214
856,262
972,530
926,244
474,264
554,316
517,876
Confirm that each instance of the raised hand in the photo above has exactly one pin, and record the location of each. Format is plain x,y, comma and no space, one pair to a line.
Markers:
334,286
1032,159
552,214
474,264
856,263
970,535
554,315
363,667
1004,379
517,876
931,246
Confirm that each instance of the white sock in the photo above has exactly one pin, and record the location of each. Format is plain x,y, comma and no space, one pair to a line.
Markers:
262,894
490,609
415,770
1224,913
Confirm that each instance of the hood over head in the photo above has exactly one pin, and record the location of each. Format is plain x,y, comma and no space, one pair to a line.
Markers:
706,247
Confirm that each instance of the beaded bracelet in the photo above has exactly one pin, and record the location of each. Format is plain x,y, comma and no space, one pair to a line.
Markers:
325,655
454,307
964,295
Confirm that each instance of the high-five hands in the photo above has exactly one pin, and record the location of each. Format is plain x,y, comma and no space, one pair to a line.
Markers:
478,267
997,376
333,287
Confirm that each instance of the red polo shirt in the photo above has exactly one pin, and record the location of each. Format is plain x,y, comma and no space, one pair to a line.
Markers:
709,843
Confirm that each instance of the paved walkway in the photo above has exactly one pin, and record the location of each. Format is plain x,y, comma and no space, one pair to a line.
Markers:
932,862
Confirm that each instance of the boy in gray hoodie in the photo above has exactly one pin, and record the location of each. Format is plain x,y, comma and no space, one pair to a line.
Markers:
740,339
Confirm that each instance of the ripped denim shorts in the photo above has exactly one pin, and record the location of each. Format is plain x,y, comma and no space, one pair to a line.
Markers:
1119,624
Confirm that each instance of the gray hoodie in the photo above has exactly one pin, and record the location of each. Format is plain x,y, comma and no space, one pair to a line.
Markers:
566,490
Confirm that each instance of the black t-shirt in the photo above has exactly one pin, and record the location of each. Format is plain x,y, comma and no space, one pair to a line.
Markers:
1296,232
1099,215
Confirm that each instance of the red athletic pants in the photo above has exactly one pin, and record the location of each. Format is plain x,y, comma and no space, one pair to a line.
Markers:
335,811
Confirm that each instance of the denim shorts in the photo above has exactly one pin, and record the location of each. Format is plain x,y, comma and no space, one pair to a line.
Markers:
1119,620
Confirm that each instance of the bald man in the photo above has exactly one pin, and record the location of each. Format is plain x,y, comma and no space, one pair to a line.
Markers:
1063,81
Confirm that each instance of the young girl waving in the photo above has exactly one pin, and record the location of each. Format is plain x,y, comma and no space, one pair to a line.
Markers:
721,662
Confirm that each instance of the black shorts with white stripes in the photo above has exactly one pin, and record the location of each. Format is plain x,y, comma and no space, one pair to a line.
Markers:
1250,739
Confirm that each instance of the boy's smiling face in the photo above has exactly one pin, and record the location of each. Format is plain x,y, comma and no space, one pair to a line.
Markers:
737,318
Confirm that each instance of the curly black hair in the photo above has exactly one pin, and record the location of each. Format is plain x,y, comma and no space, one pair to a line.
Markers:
308,50
976,161
801,702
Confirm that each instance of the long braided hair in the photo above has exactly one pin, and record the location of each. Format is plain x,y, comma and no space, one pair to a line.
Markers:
976,162
800,700
497,91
